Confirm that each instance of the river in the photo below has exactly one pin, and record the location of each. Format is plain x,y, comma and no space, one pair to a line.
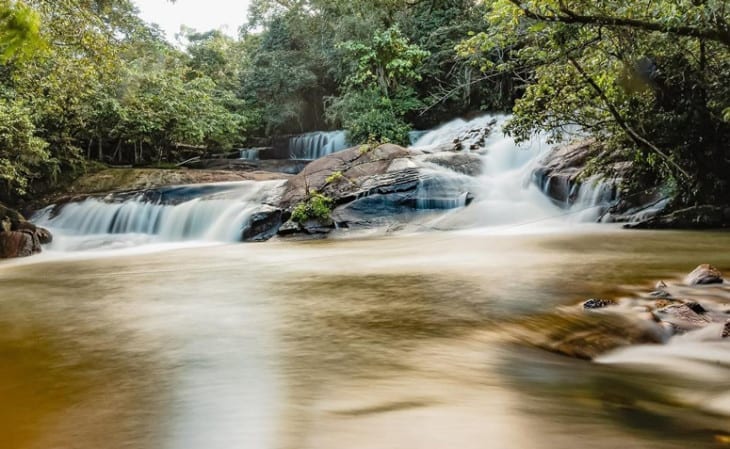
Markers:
381,342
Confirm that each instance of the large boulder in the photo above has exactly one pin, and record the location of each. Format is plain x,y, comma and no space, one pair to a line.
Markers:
377,186
18,237
558,173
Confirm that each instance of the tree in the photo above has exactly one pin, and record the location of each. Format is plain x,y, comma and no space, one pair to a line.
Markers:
646,77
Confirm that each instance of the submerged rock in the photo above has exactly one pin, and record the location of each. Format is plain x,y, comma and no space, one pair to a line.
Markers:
588,335
598,303
684,317
703,275
696,217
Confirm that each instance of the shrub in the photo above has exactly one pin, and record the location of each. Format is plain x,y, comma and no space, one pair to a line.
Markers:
316,207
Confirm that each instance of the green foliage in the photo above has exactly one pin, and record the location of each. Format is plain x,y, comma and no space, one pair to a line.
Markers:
335,177
648,78
316,207
23,156
19,30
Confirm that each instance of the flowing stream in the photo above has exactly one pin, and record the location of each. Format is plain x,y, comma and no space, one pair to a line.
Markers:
401,342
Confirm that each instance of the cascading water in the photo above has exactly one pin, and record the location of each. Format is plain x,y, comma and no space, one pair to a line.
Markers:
95,223
317,144
505,193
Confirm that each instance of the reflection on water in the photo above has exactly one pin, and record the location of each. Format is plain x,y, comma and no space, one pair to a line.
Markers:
379,343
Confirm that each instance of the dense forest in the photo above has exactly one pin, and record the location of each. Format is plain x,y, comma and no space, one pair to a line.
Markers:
84,82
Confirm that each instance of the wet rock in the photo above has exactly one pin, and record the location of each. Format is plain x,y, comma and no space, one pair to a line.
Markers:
588,335
289,228
696,307
465,163
18,244
696,217
661,285
704,275
726,330
263,224
660,294
594,303
18,237
683,317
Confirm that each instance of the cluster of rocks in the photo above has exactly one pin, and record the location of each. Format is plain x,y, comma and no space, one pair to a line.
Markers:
654,317
379,186
18,237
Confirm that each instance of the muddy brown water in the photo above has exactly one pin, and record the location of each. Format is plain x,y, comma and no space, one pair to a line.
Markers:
370,343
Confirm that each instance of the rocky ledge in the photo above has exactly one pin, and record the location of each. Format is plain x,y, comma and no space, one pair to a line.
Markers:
18,237
598,325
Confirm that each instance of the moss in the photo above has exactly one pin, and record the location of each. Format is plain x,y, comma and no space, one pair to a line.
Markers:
334,177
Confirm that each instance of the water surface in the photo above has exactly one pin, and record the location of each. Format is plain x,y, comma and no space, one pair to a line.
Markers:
398,342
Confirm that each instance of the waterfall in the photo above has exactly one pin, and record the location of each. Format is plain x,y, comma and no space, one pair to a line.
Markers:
505,193
249,154
317,144
211,217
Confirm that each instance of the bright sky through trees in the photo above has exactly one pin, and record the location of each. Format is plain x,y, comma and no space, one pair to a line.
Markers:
202,15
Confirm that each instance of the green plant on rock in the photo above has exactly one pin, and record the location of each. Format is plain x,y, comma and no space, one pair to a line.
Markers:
334,177
316,207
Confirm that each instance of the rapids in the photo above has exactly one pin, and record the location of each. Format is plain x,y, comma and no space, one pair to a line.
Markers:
504,196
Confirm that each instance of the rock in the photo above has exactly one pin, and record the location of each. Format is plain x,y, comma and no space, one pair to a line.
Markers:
18,237
660,294
696,217
588,335
318,226
18,244
703,275
696,307
683,317
383,185
263,224
661,285
465,163
726,330
558,172
598,303
290,227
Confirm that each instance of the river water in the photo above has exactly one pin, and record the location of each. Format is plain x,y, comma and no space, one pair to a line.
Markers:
384,342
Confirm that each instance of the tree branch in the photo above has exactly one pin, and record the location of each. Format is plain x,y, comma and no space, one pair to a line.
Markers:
721,34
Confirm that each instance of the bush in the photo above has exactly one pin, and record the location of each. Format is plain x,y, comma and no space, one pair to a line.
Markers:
316,207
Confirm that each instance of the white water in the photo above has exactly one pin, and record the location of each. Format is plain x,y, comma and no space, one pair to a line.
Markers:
505,194
317,144
98,224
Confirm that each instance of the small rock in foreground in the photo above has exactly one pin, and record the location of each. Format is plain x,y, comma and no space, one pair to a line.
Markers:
598,303
704,275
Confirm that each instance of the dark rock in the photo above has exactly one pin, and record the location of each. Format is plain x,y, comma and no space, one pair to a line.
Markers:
598,303
318,226
703,275
263,224
660,294
726,330
696,307
290,227
696,217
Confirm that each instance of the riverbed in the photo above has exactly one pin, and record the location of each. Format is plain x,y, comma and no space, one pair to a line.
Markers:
380,342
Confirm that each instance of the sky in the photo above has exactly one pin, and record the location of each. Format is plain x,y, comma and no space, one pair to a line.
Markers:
203,15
